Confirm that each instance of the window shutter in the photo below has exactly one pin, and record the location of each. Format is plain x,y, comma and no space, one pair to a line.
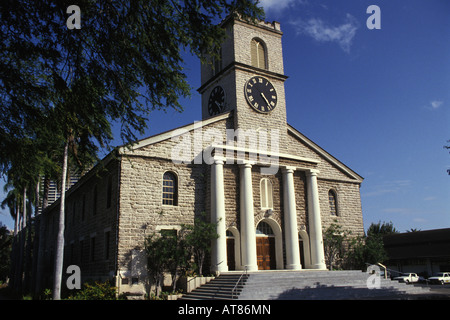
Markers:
269,194
258,54
266,194
254,53
261,56
263,194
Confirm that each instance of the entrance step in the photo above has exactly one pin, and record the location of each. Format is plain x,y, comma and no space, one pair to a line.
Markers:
220,288
302,285
322,285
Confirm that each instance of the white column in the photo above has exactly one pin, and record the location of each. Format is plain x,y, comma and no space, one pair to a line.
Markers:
290,220
248,239
315,223
219,245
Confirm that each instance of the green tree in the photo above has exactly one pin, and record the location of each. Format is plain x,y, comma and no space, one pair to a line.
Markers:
160,251
381,228
335,243
95,291
356,255
125,62
171,252
179,256
374,242
5,252
370,248
199,237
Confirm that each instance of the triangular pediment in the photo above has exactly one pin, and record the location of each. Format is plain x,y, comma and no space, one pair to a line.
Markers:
330,167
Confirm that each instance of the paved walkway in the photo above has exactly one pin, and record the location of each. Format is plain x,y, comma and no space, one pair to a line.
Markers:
437,291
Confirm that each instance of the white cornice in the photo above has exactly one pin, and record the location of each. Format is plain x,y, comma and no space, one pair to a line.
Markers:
173,133
264,152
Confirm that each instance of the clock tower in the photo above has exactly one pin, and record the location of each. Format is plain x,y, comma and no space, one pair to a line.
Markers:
248,79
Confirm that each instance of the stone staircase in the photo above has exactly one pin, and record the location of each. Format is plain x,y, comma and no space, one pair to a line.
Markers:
322,285
220,288
304,285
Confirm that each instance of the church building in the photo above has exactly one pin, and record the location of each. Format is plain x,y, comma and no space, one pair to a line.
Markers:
271,190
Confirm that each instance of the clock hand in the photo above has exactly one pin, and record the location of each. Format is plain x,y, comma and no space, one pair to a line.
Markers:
264,97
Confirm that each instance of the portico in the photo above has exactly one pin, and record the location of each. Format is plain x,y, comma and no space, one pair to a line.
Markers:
286,236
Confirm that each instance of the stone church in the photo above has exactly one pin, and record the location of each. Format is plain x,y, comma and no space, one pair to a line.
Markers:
271,190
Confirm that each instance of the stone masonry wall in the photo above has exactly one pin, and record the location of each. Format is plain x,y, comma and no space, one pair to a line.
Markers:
90,226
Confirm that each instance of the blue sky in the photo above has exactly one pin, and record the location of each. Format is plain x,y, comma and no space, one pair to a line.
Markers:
378,100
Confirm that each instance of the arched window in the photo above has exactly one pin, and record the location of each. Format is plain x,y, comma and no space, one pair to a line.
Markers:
332,199
170,189
266,194
258,53
264,228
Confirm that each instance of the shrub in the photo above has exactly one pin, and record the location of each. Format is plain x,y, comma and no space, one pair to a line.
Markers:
95,291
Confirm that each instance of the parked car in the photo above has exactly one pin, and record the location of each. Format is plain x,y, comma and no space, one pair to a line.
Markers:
440,278
408,278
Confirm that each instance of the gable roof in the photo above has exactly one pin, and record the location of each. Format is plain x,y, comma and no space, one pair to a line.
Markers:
167,135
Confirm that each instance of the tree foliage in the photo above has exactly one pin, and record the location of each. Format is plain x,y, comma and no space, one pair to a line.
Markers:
173,252
198,238
167,252
380,229
95,291
125,61
335,240
343,250
5,252
63,89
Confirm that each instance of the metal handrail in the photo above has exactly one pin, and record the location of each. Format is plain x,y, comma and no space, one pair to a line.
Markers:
385,269
237,283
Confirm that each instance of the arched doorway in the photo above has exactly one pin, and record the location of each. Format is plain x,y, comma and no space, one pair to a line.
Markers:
233,249
305,255
231,261
265,247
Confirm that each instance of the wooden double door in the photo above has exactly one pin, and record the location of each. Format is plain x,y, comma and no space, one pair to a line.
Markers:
265,253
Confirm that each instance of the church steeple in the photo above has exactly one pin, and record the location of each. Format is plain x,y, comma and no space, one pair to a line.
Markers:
249,78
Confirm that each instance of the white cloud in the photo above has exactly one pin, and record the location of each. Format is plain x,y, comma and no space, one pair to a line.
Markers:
396,210
279,5
436,104
388,187
322,31
409,212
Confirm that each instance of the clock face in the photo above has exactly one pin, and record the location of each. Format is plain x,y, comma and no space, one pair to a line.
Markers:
216,102
261,94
